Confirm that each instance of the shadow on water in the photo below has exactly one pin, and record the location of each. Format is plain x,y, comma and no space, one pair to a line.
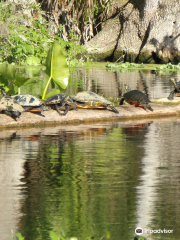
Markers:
91,181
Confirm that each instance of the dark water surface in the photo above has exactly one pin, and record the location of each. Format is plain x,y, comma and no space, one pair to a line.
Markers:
95,180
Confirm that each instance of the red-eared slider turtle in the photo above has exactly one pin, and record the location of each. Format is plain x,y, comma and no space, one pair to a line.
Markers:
176,90
30,103
61,102
136,98
88,99
10,107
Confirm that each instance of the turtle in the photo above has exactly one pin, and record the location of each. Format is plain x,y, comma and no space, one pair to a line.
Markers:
61,102
136,98
10,107
87,99
176,91
30,103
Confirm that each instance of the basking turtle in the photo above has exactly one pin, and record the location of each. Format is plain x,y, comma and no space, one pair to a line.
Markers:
61,102
136,98
10,107
176,91
30,103
88,99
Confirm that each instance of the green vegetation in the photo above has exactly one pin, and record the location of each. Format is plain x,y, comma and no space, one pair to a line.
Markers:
124,65
53,236
26,37
19,236
57,73
168,66
157,67
57,69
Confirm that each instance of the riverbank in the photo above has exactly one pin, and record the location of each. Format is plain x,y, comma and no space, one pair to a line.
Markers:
52,118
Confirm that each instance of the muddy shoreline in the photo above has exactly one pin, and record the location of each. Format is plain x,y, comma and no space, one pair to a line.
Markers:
52,118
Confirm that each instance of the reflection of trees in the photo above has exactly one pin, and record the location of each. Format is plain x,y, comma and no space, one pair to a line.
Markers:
83,182
167,205
111,84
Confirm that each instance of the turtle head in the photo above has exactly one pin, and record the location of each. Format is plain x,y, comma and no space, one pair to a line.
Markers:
66,98
127,88
174,82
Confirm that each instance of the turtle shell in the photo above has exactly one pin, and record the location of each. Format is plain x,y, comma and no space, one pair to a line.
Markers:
9,104
56,99
61,102
87,99
10,107
27,100
137,99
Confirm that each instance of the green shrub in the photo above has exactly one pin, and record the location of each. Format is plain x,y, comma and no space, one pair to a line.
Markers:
25,36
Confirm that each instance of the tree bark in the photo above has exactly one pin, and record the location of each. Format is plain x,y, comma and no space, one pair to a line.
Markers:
148,31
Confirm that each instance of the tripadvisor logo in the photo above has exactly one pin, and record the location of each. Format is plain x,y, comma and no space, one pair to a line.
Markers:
139,231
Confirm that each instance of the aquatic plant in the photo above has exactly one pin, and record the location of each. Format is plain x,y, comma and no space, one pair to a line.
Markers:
124,65
57,73
57,69
168,66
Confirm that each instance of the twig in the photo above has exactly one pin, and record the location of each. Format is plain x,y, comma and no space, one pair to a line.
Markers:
121,57
102,237
9,42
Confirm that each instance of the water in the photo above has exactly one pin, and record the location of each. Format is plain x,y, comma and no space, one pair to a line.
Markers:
111,84
94,181
33,80
91,180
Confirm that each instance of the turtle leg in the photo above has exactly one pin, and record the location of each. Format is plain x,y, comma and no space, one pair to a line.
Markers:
149,107
36,110
66,111
15,115
64,108
114,109
121,102
56,107
171,96
145,107
12,114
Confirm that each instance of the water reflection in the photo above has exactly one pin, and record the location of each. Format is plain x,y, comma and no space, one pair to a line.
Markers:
111,83
32,80
90,180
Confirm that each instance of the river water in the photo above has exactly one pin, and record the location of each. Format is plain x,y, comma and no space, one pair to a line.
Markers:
98,181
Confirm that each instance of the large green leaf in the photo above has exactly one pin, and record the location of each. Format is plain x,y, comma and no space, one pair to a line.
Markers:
56,67
54,92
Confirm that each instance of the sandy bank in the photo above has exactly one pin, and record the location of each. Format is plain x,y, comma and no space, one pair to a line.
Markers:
126,112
